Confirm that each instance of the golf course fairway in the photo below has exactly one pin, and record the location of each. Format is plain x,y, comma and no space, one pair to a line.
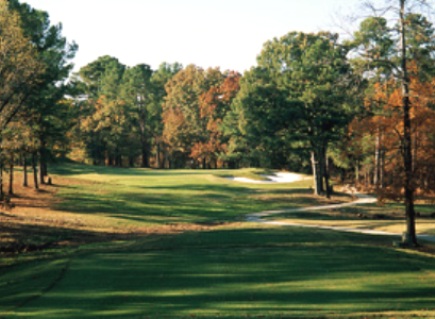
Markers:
175,244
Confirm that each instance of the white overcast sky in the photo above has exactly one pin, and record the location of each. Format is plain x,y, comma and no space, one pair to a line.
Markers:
209,33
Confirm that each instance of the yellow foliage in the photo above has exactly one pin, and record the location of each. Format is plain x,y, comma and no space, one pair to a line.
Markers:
19,65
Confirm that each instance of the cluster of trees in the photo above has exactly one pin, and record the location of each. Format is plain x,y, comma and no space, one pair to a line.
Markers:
34,64
362,108
169,117
397,63
359,109
119,111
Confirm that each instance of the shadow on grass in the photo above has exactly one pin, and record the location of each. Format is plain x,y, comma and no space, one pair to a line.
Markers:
362,212
240,273
190,203
25,238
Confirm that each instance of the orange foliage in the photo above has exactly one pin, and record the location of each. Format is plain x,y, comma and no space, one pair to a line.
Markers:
213,105
174,120
386,125
196,104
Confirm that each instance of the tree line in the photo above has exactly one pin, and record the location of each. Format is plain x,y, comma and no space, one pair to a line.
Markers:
361,110
35,61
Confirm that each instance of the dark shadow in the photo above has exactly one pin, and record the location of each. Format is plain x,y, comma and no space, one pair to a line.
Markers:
283,272
191,203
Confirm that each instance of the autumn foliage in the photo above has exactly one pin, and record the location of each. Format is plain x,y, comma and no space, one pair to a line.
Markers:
377,138
196,104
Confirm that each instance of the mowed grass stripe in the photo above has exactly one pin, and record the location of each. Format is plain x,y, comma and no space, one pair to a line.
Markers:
149,197
234,270
239,272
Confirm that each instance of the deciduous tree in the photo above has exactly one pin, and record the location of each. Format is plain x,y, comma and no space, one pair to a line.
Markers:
409,39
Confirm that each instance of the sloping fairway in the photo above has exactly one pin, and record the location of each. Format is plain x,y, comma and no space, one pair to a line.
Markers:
224,268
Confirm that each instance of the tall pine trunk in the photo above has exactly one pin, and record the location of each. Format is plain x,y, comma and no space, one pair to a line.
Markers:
316,174
409,238
145,162
382,171
43,170
377,168
144,145
11,177
2,194
35,170
326,175
357,180
144,151
158,163
25,176
322,167
131,161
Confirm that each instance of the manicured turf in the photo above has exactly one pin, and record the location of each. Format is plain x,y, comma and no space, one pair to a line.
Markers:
387,217
227,272
186,196
235,270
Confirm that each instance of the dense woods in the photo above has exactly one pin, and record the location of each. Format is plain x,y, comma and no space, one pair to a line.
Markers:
360,110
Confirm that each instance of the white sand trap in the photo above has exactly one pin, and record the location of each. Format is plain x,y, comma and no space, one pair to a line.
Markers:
280,177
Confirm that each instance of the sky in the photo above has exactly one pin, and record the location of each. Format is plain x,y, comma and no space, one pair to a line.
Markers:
208,33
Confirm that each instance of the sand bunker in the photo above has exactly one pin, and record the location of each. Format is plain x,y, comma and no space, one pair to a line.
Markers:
280,177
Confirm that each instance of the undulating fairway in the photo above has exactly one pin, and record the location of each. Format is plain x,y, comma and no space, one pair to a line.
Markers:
175,244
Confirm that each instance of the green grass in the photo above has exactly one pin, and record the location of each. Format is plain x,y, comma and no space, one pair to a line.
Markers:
152,197
387,217
238,270
225,273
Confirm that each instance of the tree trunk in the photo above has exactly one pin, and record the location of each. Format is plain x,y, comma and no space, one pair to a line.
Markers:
11,177
326,173
144,162
357,173
42,164
158,156
316,174
25,178
144,145
409,238
109,160
35,170
382,171
377,169
2,194
145,158
321,169
367,178
131,161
